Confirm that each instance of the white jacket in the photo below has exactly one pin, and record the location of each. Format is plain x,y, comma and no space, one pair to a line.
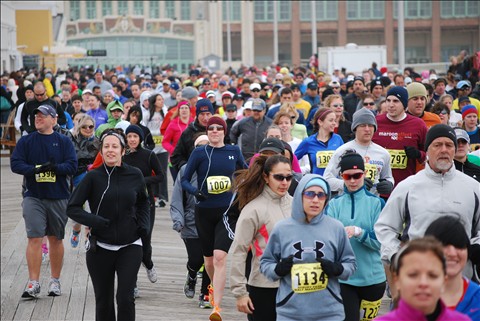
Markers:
420,199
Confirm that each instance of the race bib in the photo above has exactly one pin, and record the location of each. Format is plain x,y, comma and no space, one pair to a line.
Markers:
323,158
157,140
398,158
45,177
218,184
308,277
369,309
370,171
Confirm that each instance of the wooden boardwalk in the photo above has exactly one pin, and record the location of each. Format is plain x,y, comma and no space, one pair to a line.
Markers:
163,300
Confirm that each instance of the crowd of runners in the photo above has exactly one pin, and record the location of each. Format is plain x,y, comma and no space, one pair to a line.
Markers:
326,192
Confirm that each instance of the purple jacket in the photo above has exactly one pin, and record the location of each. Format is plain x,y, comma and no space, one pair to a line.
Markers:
406,312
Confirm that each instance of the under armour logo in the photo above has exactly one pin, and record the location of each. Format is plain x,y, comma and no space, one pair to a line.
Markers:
231,157
300,250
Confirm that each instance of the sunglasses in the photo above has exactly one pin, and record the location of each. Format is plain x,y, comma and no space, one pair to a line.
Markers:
369,104
256,90
87,126
207,83
213,127
348,177
443,112
40,95
337,105
311,195
281,178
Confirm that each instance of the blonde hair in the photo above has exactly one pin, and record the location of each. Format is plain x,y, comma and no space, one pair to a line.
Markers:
83,119
289,108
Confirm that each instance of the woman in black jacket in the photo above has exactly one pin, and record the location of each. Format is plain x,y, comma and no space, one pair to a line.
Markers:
147,162
119,217
135,118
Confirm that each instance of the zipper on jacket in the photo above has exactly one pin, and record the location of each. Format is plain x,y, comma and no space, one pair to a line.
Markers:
352,215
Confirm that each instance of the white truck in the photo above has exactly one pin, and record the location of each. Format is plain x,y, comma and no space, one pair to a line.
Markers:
352,57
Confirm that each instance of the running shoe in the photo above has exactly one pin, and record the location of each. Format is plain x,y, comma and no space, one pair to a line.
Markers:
215,315
75,239
204,302
210,295
200,272
161,203
136,293
54,287
189,287
44,252
32,290
151,274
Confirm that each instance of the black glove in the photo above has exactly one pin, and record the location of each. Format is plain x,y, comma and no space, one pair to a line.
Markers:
412,152
47,167
284,267
474,254
368,183
384,186
200,196
330,268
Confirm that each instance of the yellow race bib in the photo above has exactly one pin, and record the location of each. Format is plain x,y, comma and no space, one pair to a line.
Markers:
398,158
218,184
157,140
371,171
323,157
369,309
45,177
308,277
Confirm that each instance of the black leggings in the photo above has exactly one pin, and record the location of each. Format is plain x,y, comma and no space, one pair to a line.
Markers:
353,296
147,240
161,189
102,266
195,262
264,300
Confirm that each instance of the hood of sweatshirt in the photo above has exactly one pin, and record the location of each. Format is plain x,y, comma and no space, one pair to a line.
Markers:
298,213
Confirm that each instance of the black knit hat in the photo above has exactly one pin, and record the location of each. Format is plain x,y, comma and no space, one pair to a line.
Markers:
135,129
450,231
351,160
440,130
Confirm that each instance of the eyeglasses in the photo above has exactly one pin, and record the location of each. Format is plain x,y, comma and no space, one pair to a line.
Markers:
256,90
348,177
281,178
336,87
369,104
338,105
87,126
207,83
213,127
311,195
39,95
40,115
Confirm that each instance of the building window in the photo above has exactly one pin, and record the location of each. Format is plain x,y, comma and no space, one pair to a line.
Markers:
91,9
414,9
106,8
170,9
324,10
122,8
264,10
74,10
185,10
365,10
459,9
138,8
235,11
154,10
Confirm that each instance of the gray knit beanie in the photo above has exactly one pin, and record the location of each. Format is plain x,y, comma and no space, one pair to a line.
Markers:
363,116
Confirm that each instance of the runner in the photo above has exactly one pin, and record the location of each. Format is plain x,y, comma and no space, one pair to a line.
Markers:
214,165
308,253
321,145
263,200
45,158
358,210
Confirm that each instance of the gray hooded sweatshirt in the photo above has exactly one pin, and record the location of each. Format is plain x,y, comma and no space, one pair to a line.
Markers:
322,237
